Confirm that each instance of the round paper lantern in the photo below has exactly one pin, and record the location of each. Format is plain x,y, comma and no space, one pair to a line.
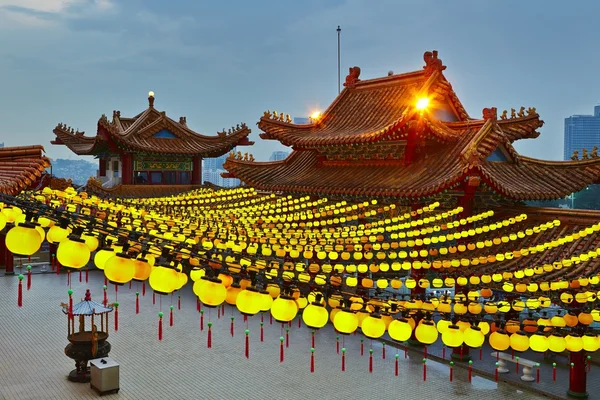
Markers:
484,326
91,242
197,273
361,316
499,340
73,253
557,343
315,316
23,240
571,319
585,318
210,291
475,308
558,321
400,330
345,321
519,341
102,256
442,325
266,301
474,337
142,269
426,332
56,234
452,336
232,293
301,302
248,301
574,343
162,280
284,308
119,269
539,343
590,342
373,327
226,279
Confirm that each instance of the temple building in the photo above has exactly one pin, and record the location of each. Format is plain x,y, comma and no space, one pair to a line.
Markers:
150,153
408,137
23,168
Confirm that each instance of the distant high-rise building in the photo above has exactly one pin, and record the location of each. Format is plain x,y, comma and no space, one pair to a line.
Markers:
278,155
1,145
582,132
301,120
212,168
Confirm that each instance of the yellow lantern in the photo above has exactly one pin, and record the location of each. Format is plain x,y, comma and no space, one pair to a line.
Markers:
499,340
284,308
119,269
574,343
142,269
265,300
315,316
274,290
197,273
232,292
484,326
474,336
23,240
162,280
558,321
590,343
102,256
345,321
210,291
373,327
571,320
442,325
557,343
475,308
90,241
426,332
585,318
452,336
400,330
73,253
56,234
250,300
539,343
519,341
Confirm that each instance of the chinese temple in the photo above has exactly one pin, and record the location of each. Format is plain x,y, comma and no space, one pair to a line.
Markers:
150,153
408,137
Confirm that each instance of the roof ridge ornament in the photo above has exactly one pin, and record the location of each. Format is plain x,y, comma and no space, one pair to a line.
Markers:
432,62
151,99
352,77
490,113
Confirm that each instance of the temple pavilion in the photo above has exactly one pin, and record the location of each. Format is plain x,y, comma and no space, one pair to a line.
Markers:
150,153
408,137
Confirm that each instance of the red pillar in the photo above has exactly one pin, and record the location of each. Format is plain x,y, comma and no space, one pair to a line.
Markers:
102,167
414,128
7,257
2,250
578,375
127,168
196,170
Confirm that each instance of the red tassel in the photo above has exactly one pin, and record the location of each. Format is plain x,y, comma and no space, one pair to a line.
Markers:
219,312
554,372
383,351
246,318
287,337
396,370
271,319
201,320
137,302
517,365
312,360
470,370
537,377
231,328
197,304
20,292
223,309
105,301
362,347
116,317
86,274
70,304
80,276
371,361
209,339
262,336
451,364
171,316
247,341
281,349
179,302
68,277
496,374
424,369
160,315
28,277
144,288
343,359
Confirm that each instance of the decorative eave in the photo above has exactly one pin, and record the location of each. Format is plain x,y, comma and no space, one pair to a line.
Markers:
21,168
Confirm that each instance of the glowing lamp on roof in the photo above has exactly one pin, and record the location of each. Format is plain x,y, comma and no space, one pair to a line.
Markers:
151,94
422,103
315,116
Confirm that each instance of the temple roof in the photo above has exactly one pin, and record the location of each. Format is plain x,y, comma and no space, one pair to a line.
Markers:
21,167
152,132
137,191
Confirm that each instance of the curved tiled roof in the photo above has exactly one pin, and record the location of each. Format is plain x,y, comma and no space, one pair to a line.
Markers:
21,167
137,134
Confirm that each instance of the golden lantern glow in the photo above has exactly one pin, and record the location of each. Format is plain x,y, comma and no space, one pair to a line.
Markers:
119,269
92,242
249,301
452,336
499,340
210,291
426,332
484,326
315,316
400,330
571,320
539,343
558,321
197,273
227,280
73,253
345,321
474,336
474,308
56,234
373,327
590,342
574,343
557,343
585,318
102,256
266,301
232,292
23,240
519,341
442,325
162,280
284,308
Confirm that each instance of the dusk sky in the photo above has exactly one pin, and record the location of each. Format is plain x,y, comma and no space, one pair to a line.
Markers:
220,63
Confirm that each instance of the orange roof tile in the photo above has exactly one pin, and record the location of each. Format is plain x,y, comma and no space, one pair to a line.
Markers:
21,168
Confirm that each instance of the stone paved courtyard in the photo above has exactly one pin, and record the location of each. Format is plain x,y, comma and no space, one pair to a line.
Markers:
33,364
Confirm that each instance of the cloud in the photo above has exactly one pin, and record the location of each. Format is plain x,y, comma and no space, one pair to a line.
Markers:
48,13
48,6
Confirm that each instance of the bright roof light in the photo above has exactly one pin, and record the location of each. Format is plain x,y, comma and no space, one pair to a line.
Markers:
422,103
316,115
151,94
